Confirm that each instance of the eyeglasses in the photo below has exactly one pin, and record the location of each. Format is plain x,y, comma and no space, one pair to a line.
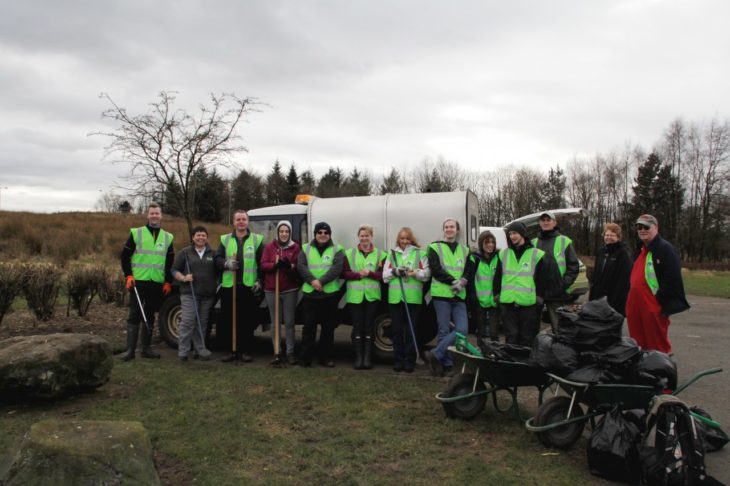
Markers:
642,227
323,232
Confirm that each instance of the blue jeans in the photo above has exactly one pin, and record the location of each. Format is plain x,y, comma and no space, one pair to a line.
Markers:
446,313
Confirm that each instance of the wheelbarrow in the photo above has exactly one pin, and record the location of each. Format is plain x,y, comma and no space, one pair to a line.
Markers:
479,377
560,420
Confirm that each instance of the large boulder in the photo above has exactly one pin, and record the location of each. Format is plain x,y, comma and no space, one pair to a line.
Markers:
82,452
53,365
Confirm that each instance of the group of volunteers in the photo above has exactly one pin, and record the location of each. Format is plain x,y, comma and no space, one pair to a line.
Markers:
508,286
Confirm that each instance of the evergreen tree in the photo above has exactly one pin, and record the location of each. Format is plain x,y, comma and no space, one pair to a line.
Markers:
307,183
330,184
277,191
292,183
210,196
248,191
392,184
657,191
356,184
553,196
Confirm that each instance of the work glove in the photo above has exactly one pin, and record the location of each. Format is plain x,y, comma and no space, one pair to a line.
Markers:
539,301
456,286
286,261
256,289
130,282
401,271
284,265
231,264
166,288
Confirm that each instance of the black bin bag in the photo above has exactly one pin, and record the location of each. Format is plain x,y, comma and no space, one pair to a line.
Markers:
549,353
714,438
613,449
654,367
595,327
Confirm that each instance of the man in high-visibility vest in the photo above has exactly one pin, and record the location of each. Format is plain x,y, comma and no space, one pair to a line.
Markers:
239,257
146,261
564,265
657,290
519,280
320,265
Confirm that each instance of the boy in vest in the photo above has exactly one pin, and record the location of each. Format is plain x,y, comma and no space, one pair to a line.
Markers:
447,259
320,265
564,265
656,291
239,257
146,261
519,277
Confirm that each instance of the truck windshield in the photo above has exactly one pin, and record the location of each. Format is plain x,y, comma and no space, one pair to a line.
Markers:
265,227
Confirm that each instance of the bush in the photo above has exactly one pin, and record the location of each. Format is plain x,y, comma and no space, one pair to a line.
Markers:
112,289
84,282
12,278
41,286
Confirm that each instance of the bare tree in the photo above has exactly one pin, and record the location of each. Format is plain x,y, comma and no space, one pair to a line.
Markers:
166,146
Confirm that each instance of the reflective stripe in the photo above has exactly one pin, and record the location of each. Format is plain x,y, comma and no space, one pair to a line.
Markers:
249,269
365,288
319,264
449,262
150,254
518,287
412,287
148,265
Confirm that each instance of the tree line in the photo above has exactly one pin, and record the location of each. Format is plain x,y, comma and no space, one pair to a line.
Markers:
176,158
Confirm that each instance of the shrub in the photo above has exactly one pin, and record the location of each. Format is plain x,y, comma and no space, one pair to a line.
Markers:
41,286
83,282
112,288
12,278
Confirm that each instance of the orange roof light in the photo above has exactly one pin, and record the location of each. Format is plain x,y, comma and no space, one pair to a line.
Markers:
303,198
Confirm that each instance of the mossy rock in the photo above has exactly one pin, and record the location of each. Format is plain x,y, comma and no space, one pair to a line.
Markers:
83,452
53,365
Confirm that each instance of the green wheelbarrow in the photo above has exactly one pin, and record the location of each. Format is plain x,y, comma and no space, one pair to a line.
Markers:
560,420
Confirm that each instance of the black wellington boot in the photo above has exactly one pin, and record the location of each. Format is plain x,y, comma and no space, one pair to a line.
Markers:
367,347
146,350
132,332
357,346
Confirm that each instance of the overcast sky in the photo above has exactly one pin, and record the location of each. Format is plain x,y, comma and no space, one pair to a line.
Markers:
372,84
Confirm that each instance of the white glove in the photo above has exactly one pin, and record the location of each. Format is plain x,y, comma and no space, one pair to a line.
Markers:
256,289
456,286
231,264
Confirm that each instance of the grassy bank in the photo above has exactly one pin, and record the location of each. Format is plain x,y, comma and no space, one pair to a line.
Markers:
216,424
707,283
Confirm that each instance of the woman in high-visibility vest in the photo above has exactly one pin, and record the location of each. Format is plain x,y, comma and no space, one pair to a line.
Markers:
405,271
320,266
447,260
480,269
363,271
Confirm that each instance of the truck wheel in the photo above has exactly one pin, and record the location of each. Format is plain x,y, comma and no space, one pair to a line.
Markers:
467,408
170,317
555,410
382,340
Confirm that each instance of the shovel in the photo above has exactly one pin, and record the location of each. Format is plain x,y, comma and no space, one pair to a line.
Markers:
276,362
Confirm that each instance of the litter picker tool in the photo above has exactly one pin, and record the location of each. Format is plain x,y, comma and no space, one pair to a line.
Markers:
195,304
141,308
408,312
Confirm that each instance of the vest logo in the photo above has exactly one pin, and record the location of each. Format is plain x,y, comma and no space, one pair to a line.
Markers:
159,246
249,248
327,258
525,265
459,261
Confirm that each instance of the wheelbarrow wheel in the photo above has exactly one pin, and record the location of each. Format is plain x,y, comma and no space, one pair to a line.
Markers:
466,408
555,410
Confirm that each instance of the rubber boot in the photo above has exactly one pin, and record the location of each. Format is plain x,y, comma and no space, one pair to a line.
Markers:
132,332
357,346
146,350
367,346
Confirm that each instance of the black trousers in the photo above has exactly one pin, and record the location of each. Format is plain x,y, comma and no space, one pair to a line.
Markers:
521,324
487,320
323,312
363,318
246,304
403,348
150,293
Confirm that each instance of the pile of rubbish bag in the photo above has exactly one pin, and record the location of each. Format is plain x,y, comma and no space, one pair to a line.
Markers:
589,348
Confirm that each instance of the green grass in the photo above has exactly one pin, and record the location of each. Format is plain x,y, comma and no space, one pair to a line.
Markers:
707,283
238,425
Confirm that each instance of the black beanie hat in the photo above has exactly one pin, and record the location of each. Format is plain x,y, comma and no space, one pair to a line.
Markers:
517,227
322,226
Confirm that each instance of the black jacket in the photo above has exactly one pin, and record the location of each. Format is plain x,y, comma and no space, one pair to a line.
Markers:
611,275
555,285
669,274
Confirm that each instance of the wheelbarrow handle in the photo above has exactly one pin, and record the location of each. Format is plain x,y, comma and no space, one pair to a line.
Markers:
696,377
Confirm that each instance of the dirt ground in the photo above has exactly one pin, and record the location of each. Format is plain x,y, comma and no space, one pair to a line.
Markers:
700,338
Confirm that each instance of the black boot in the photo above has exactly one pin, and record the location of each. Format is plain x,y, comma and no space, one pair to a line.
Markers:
146,350
367,346
132,332
357,345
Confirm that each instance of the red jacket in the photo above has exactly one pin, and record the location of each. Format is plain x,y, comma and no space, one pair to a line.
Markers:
288,279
